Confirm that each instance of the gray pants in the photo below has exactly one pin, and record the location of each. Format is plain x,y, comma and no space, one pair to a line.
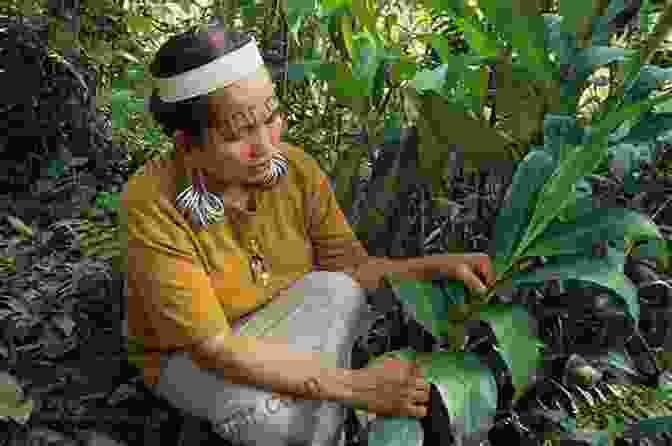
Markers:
324,311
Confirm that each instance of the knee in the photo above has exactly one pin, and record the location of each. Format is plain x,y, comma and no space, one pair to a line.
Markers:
337,281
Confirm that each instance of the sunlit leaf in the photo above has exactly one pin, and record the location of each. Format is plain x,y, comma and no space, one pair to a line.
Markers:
431,80
361,11
139,24
484,43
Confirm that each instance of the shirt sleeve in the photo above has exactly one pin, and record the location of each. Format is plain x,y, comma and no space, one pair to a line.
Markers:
334,242
166,274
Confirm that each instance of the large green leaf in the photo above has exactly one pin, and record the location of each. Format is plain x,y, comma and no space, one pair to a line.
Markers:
558,190
597,225
581,202
395,431
467,387
425,302
656,126
514,215
625,162
516,340
479,146
584,267
560,131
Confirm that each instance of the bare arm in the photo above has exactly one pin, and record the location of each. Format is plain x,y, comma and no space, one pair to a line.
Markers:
269,363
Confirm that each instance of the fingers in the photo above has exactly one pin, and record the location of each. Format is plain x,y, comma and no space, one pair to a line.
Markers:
419,411
477,272
470,278
484,266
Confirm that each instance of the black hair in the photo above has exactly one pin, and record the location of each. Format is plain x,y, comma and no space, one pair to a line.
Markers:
181,53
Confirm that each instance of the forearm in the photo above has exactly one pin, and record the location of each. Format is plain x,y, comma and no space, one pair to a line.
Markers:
370,273
270,364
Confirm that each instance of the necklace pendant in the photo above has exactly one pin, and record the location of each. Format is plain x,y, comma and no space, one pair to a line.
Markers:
259,270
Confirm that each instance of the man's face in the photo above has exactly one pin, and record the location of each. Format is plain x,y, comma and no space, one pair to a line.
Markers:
244,132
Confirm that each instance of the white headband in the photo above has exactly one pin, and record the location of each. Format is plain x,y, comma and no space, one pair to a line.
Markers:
219,73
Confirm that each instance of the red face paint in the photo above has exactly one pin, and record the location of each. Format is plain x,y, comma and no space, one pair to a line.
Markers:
276,130
246,151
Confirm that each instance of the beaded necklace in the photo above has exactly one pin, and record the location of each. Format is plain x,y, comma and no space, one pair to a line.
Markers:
204,208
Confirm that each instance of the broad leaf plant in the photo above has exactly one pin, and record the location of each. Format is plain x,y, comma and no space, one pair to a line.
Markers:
544,215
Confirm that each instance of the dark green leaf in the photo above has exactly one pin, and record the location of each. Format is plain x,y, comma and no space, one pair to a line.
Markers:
599,224
588,58
516,340
424,301
560,130
605,272
395,431
625,159
467,387
651,426
580,204
656,126
514,215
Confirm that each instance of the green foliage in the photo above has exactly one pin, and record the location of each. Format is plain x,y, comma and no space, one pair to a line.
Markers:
516,342
549,210
396,431
467,387
514,215
603,224
606,272
107,200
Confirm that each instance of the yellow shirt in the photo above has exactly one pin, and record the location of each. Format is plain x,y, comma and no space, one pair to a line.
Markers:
185,284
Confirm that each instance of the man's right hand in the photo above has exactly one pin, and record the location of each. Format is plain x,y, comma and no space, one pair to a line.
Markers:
394,388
